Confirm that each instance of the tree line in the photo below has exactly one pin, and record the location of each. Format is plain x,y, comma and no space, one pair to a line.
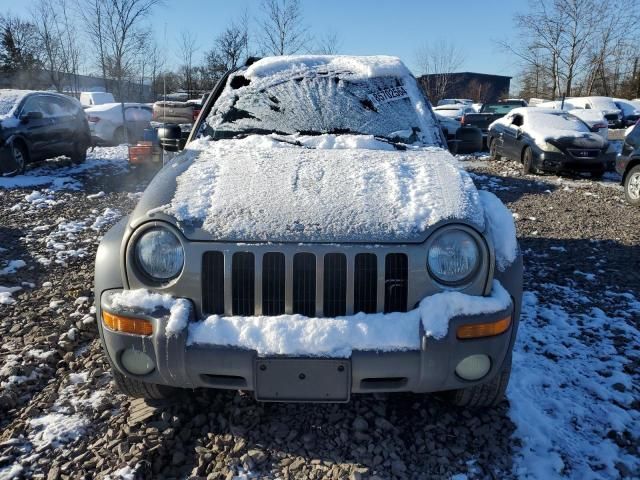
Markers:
114,40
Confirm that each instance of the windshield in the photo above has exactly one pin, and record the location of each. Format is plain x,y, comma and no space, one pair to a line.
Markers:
603,103
318,102
501,108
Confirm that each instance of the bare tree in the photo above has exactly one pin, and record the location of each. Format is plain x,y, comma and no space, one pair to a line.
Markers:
282,27
437,62
19,46
188,47
329,43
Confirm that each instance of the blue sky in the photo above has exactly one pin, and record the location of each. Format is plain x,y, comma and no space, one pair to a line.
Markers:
364,27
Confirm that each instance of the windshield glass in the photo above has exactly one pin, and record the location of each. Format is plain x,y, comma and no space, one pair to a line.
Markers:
318,102
603,103
501,108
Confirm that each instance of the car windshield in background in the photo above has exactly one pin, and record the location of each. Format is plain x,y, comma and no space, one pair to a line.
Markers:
561,121
316,104
604,104
501,108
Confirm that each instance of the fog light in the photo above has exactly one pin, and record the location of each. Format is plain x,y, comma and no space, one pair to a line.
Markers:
137,362
473,367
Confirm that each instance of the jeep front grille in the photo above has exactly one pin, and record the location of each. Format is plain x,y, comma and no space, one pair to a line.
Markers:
328,285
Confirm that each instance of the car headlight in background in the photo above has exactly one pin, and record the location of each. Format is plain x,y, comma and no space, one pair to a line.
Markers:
453,257
159,254
547,147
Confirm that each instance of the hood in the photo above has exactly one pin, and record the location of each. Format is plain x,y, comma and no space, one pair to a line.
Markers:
580,140
261,190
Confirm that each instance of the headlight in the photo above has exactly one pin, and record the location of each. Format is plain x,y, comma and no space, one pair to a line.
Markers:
159,254
547,147
453,257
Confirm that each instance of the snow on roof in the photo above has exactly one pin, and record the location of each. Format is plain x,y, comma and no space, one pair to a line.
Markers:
548,123
359,66
9,99
260,190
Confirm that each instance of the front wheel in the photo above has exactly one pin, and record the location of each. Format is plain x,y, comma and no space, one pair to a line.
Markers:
527,161
632,186
19,158
493,150
485,395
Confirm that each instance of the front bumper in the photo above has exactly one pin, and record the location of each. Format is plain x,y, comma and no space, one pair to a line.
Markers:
558,162
428,369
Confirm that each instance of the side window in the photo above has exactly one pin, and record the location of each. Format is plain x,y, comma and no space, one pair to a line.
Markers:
587,105
518,120
32,104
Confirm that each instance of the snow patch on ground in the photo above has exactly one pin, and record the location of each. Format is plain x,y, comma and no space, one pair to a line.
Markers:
572,391
5,295
56,429
12,267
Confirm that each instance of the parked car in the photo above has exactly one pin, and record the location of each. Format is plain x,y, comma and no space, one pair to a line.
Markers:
312,241
609,109
516,102
39,125
630,111
90,99
548,140
628,165
489,113
455,101
455,111
594,118
107,126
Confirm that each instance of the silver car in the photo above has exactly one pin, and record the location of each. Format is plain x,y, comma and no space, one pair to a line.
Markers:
314,239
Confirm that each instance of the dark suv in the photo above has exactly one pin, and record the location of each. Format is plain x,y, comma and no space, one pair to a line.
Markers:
628,165
39,125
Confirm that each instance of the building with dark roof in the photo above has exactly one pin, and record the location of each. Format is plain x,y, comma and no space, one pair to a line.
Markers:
480,87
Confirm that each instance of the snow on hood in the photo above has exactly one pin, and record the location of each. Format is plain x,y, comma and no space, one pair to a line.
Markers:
258,189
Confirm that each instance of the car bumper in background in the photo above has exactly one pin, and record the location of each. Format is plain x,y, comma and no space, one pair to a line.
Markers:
558,162
430,368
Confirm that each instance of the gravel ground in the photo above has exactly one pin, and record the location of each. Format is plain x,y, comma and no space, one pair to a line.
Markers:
572,408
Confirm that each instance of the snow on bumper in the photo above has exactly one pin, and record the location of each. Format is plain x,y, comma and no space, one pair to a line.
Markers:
299,335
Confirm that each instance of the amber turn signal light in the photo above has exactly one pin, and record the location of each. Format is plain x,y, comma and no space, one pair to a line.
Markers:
479,330
137,326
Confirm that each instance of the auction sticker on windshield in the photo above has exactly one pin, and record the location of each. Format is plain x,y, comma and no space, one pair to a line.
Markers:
388,95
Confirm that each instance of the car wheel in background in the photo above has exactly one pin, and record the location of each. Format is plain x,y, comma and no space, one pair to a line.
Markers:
527,161
118,136
485,395
632,186
470,139
20,158
79,154
493,150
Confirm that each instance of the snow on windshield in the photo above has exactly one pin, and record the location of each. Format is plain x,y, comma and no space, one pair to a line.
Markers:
323,94
10,99
554,125
603,103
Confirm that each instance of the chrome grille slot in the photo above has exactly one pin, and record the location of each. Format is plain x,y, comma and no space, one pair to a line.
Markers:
243,284
213,283
304,284
395,282
335,285
365,291
273,283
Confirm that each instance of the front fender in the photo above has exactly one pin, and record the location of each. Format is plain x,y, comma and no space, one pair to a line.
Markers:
108,274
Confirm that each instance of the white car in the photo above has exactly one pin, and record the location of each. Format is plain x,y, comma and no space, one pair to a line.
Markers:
89,99
455,111
106,123
454,101
630,111
594,118
606,105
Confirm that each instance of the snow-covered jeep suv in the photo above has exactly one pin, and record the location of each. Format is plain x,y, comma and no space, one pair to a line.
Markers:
314,239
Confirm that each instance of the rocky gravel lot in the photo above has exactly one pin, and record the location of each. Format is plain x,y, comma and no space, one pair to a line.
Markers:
572,408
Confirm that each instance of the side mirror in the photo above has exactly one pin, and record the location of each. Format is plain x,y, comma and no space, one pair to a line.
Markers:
26,117
170,138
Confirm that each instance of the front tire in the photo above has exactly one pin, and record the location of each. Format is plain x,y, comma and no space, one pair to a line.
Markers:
493,150
137,389
485,395
527,161
20,158
632,186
